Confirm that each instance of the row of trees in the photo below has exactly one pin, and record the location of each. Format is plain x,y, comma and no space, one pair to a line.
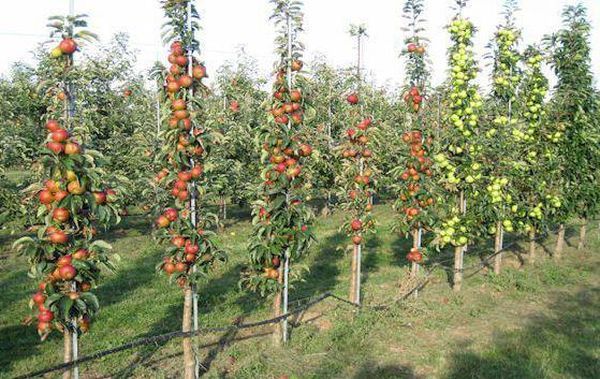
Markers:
458,164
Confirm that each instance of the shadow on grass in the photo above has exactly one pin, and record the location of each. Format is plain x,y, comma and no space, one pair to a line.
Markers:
211,294
119,286
372,370
130,226
16,286
400,247
560,344
324,270
371,257
19,342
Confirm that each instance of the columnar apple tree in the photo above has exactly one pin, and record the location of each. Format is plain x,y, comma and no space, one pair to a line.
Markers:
575,107
536,166
280,218
355,179
183,223
497,201
64,255
459,163
414,176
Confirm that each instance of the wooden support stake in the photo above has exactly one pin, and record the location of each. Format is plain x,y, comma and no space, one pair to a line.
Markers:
560,242
498,248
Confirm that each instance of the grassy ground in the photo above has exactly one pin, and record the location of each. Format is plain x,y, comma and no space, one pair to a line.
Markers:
531,322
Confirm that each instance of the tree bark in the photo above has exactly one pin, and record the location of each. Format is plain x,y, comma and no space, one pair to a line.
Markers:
582,233
498,249
354,275
277,329
415,266
560,242
188,351
532,253
458,267
222,207
68,352
459,251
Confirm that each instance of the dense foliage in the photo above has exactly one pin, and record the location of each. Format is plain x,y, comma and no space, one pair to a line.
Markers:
72,201
183,222
281,219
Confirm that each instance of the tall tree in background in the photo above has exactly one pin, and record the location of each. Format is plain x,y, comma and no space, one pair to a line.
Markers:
236,112
327,85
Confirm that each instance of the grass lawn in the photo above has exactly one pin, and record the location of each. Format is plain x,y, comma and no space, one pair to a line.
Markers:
530,322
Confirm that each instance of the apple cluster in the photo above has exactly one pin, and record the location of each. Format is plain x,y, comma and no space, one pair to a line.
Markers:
538,139
357,157
413,98
59,140
505,77
288,105
415,255
496,193
64,254
460,162
465,101
66,47
454,231
280,216
190,245
414,197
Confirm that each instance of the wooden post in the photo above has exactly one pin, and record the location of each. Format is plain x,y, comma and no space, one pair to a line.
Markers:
277,308
459,252
498,248
582,233
560,241
284,300
68,351
415,238
414,269
188,351
458,266
532,253
223,210
353,274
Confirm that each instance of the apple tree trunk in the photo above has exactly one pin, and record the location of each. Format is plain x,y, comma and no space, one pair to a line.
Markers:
188,351
560,242
68,352
459,251
532,252
458,268
582,233
498,248
354,275
277,328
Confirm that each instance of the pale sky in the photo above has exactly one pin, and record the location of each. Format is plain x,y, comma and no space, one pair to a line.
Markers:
231,24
